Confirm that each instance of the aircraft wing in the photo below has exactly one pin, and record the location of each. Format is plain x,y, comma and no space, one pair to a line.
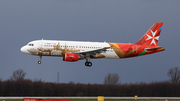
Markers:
93,52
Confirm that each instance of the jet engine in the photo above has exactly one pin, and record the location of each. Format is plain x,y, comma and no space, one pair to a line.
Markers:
71,57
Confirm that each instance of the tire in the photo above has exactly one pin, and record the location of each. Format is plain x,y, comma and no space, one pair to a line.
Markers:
86,64
89,64
39,62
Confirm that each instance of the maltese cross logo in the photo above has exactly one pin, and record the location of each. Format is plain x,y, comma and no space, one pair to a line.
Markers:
153,37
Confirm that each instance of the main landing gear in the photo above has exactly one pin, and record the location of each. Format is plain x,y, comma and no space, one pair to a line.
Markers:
39,62
88,63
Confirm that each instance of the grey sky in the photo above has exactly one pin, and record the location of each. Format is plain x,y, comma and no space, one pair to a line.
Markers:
120,21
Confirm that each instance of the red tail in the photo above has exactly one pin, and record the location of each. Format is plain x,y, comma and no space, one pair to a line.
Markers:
152,35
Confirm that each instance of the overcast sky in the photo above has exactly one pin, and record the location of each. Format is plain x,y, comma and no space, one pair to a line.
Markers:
122,21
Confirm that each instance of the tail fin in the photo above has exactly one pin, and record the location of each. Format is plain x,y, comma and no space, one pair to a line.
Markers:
152,35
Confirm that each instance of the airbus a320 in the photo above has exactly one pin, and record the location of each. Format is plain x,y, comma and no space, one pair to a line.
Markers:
72,51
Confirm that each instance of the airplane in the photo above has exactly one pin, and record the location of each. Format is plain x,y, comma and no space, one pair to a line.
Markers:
72,51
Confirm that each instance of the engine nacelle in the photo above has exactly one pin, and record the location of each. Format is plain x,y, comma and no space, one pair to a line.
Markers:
71,57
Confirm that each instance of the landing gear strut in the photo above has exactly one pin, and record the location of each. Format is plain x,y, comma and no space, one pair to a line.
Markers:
39,62
88,63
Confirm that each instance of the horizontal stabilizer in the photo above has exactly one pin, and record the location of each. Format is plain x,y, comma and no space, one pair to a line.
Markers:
153,49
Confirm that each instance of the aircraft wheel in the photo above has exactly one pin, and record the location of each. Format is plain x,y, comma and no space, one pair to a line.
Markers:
86,63
89,64
39,62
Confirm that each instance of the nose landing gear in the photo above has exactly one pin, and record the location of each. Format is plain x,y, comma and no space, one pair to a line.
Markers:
39,62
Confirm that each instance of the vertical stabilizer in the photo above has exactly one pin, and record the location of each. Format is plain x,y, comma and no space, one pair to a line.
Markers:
151,37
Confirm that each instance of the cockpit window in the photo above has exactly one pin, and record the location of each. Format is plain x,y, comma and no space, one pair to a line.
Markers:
30,44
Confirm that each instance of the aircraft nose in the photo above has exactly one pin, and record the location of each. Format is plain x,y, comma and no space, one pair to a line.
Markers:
24,50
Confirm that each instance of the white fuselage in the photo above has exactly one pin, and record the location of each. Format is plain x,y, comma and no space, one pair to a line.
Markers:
58,48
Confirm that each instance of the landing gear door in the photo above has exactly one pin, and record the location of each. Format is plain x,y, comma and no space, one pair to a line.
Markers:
134,49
